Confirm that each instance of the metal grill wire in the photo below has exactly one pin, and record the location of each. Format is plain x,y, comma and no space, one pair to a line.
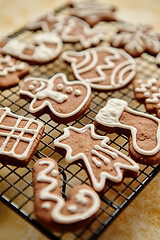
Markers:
16,183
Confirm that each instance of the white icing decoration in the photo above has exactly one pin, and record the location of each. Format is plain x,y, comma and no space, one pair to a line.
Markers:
47,92
146,94
127,66
143,86
54,173
46,205
105,118
69,89
20,137
96,162
158,59
47,193
99,183
11,67
72,208
31,87
77,92
41,53
154,89
59,86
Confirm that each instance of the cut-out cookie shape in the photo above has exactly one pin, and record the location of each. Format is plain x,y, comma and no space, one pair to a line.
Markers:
136,39
143,129
11,71
64,100
19,138
104,68
51,209
93,12
45,47
69,29
102,162
148,91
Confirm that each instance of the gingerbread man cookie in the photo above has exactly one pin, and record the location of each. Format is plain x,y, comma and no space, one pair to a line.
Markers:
136,39
148,91
102,162
64,100
69,29
50,207
143,129
19,138
93,12
44,48
11,71
104,68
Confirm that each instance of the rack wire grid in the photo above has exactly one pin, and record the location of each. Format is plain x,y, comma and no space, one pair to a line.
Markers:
16,183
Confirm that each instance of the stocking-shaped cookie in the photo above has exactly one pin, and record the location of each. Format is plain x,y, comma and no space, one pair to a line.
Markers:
102,162
45,47
148,91
136,39
65,101
69,28
143,129
104,68
50,207
93,12
19,138
11,71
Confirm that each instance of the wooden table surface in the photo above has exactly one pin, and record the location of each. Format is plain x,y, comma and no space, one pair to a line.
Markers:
141,219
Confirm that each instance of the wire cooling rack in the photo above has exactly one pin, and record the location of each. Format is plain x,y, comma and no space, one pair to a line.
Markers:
16,183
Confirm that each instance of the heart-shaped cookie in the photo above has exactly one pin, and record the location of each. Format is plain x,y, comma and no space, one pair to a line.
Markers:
64,100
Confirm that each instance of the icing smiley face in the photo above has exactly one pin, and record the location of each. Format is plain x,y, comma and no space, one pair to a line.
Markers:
50,207
65,100
104,68
44,48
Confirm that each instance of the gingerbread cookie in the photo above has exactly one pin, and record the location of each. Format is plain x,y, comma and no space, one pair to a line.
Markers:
19,138
104,68
50,207
136,39
69,29
147,91
102,162
64,100
143,129
93,12
45,47
11,71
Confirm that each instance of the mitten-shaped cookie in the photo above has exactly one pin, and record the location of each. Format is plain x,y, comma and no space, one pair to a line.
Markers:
50,207
143,129
102,162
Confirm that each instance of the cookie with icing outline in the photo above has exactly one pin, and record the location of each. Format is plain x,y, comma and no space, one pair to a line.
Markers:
142,129
44,48
19,138
104,68
147,91
104,164
51,209
93,12
136,39
69,28
11,71
63,100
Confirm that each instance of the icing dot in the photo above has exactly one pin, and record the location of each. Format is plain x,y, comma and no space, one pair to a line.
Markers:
34,82
59,86
46,205
11,69
69,89
77,92
54,173
31,87
6,59
154,89
139,81
20,66
146,94
10,64
72,208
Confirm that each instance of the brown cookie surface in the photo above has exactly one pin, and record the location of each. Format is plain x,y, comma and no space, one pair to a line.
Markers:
102,162
19,138
142,129
64,100
51,209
